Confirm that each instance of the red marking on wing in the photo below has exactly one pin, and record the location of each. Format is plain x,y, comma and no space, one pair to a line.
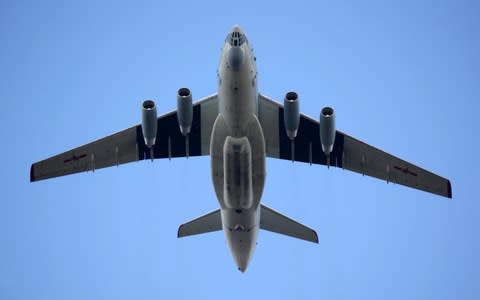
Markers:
75,158
405,171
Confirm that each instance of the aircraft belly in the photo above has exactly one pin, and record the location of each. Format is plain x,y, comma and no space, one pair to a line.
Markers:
237,103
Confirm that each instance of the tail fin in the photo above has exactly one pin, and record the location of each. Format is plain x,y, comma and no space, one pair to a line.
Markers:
273,221
206,223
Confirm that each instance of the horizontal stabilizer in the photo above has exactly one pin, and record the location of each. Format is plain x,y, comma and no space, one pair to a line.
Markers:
206,223
273,221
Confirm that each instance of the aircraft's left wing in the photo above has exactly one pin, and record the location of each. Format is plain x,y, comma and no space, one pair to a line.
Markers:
348,152
128,145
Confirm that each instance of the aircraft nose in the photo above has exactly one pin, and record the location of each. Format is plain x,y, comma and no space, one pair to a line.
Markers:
236,37
237,28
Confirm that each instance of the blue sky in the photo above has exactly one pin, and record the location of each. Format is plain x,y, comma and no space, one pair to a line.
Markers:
401,76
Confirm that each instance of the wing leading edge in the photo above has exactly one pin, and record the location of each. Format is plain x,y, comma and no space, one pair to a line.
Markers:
348,152
128,145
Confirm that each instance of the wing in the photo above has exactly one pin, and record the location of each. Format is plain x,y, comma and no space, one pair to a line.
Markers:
348,152
128,145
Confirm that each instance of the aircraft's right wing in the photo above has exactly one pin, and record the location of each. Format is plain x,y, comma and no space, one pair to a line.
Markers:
348,152
128,145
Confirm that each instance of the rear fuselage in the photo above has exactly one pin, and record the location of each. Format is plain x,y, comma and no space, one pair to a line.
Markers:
237,148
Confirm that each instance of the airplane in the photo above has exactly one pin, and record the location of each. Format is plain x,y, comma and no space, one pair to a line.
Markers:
238,127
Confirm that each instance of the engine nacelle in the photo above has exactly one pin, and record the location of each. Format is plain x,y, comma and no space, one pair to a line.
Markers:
184,110
291,114
327,129
149,122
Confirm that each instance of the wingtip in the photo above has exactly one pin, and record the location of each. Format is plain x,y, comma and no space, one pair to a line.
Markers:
315,239
449,189
179,234
32,173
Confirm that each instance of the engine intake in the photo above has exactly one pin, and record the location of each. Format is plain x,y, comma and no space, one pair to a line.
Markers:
184,110
149,122
291,114
327,129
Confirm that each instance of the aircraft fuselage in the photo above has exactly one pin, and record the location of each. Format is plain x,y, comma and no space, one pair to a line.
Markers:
237,148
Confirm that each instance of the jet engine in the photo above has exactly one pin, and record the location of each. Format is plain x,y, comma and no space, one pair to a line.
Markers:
327,129
291,114
149,122
184,110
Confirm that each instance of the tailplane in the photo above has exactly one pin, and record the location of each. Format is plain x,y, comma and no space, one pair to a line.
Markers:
269,220
273,221
206,223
